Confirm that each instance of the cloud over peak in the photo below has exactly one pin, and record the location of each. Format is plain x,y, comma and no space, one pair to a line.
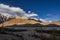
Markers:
15,11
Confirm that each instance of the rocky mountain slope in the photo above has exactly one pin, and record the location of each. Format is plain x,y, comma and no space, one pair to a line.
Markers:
9,21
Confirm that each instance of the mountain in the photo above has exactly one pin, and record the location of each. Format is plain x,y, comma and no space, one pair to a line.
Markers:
55,22
11,21
19,21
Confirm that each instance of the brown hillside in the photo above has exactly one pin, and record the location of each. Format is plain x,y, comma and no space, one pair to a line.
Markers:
56,22
21,21
18,21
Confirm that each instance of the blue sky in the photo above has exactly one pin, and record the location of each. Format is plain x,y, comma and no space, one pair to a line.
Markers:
46,9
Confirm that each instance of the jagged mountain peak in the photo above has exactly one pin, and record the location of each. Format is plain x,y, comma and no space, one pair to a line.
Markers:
4,18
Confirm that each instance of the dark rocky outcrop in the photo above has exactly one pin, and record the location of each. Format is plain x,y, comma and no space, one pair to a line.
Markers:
4,18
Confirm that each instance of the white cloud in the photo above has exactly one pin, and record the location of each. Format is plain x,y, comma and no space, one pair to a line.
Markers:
15,11
39,19
29,11
12,9
35,18
31,15
42,20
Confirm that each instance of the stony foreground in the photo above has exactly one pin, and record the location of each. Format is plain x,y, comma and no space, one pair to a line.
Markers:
30,33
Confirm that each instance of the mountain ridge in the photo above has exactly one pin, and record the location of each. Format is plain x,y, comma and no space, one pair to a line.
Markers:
22,21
